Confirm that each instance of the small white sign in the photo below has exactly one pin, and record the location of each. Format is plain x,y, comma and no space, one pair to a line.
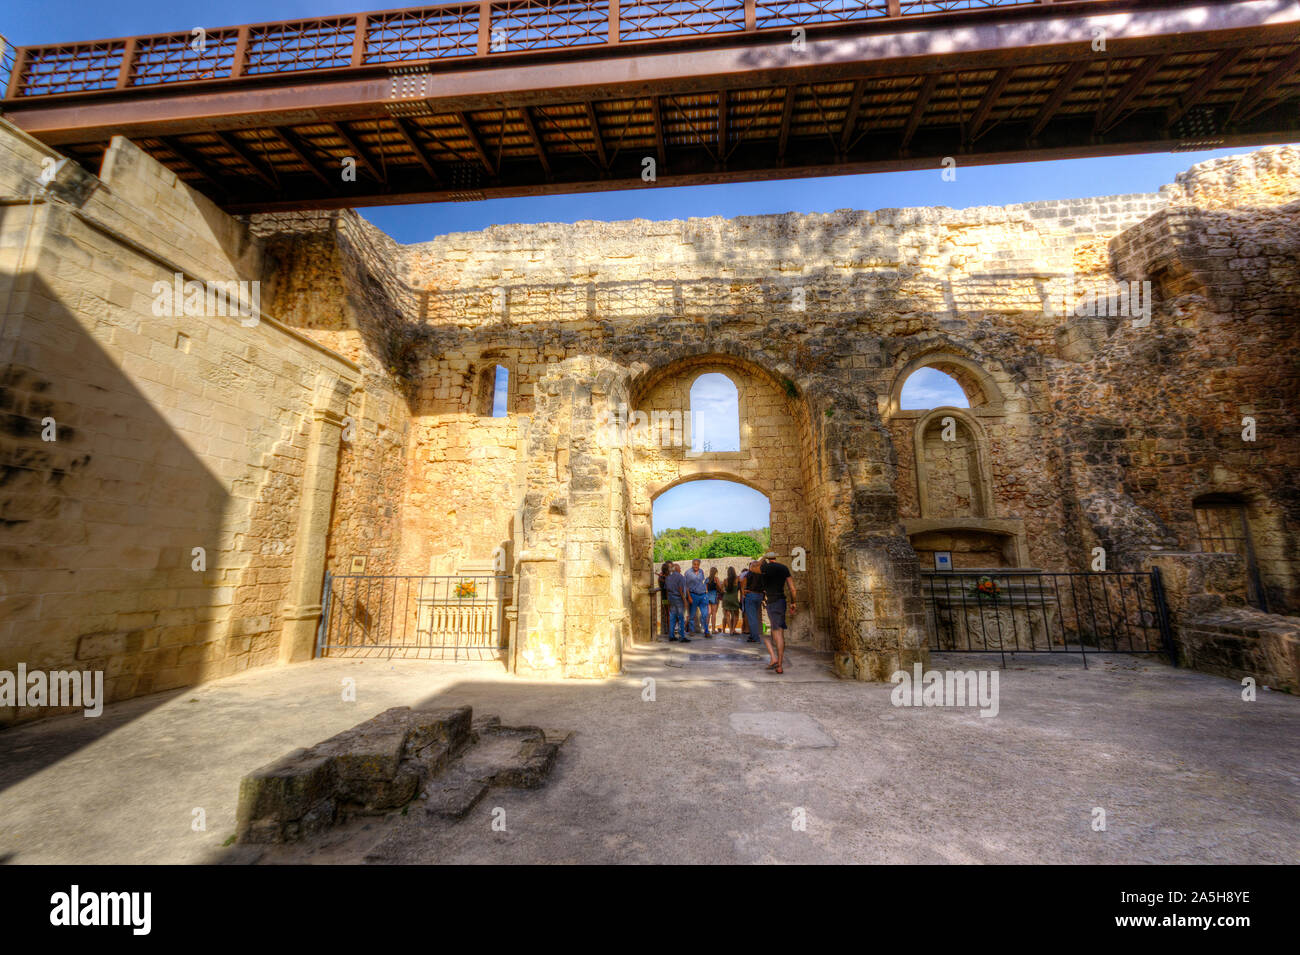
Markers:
943,560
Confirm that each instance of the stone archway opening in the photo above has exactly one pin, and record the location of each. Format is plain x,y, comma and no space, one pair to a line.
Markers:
723,523
772,454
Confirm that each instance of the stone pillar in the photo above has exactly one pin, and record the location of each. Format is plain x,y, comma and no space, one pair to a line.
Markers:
568,564
302,613
873,574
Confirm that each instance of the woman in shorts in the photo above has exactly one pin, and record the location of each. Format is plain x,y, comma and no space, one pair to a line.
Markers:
731,602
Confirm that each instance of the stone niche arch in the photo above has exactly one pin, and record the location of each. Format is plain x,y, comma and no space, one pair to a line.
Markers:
584,572
948,491
953,478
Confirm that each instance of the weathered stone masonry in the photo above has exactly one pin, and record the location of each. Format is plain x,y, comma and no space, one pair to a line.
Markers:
357,405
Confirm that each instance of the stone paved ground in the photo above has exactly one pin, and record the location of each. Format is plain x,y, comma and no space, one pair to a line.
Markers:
709,772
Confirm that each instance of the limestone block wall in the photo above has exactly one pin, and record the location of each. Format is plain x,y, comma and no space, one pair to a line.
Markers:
461,491
1154,419
1086,432
169,432
331,277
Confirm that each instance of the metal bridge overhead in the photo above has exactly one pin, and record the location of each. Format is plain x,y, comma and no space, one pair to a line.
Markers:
526,97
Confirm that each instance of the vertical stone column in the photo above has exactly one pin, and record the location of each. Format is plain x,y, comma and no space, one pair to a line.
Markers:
873,573
302,613
570,604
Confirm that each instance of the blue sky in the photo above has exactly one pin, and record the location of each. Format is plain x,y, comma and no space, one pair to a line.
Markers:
715,411
928,388
710,506
974,186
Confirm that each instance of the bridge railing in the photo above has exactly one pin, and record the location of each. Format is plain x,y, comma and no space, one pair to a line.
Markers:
481,28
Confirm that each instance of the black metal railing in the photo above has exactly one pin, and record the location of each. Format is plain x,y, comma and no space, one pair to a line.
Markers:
1014,611
453,617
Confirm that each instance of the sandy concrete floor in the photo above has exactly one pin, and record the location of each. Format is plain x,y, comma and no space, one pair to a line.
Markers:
717,768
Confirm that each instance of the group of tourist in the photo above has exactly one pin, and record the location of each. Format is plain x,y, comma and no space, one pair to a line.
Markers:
690,603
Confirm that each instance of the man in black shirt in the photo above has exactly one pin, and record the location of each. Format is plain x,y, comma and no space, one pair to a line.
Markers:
776,578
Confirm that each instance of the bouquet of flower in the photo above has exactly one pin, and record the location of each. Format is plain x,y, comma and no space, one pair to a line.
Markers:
987,587
466,589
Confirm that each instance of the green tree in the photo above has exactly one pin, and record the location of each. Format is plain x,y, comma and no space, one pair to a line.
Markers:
731,545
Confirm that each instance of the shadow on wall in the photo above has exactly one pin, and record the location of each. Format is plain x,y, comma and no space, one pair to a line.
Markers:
98,527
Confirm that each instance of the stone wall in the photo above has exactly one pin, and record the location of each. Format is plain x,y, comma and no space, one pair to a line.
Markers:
1066,446
131,437
1083,431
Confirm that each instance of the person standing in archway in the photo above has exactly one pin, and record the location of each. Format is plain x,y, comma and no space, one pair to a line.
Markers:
679,598
662,580
715,596
753,604
731,594
699,607
776,580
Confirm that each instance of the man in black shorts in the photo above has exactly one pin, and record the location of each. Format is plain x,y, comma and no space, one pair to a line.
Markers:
776,578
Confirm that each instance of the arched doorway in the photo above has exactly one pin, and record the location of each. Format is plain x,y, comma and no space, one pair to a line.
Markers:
771,456
722,523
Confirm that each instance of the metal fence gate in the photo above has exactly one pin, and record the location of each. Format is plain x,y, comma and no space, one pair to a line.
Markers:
457,617
1003,612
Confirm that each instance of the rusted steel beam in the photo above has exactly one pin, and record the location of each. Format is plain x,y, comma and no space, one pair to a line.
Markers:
232,143
787,114
723,128
359,40
240,60
467,125
407,133
484,27
851,115
128,64
1222,63
1137,82
919,104
359,151
1069,78
594,123
301,149
196,162
1256,95
737,173
986,104
538,143
656,111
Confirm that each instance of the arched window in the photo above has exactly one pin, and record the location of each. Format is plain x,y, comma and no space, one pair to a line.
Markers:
929,388
715,414
494,392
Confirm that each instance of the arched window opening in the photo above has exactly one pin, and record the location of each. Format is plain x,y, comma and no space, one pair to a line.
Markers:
714,414
929,388
494,392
